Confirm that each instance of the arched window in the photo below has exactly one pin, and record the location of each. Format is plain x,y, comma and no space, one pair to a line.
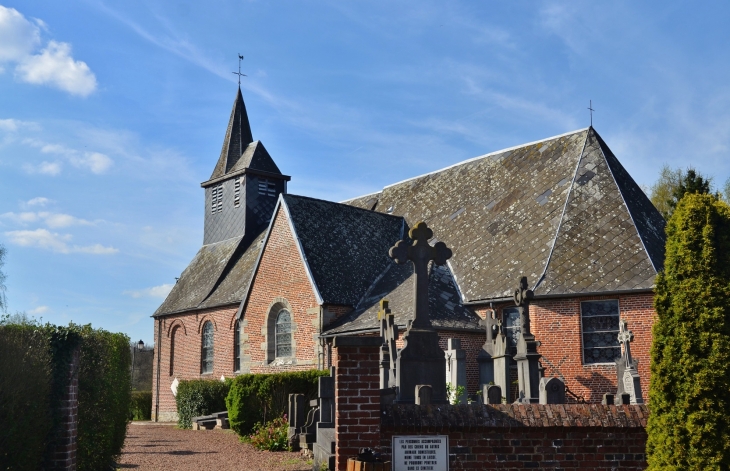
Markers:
172,349
283,334
206,357
237,347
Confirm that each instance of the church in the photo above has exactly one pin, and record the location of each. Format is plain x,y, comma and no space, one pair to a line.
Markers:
279,276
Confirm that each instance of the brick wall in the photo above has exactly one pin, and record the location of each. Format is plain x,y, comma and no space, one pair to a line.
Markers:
556,323
357,396
63,453
512,437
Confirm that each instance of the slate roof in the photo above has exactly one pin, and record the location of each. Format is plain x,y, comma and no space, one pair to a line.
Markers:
562,211
345,248
396,285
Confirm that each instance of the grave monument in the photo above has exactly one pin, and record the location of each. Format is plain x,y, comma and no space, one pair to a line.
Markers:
527,358
421,360
626,368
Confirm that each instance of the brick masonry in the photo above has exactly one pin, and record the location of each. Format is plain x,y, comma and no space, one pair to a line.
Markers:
571,436
63,453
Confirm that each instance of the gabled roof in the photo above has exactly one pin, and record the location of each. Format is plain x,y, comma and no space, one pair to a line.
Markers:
396,285
238,137
344,248
561,211
256,158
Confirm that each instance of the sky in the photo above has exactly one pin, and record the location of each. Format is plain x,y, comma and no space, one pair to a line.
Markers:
113,113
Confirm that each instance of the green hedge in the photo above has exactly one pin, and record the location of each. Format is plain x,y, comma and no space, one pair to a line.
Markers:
25,397
256,398
42,353
141,405
200,397
104,396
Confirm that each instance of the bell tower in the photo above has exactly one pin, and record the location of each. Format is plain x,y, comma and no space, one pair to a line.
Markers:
241,193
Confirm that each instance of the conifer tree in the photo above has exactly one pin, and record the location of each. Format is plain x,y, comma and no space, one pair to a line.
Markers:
689,392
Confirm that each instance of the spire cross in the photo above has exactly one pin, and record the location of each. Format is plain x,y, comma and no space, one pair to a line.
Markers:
420,253
590,108
240,58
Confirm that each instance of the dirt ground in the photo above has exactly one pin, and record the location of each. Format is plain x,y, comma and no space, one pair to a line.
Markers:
152,446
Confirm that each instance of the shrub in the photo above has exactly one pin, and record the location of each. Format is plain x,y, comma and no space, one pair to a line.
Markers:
689,427
25,402
254,397
200,397
104,396
272,436
141,405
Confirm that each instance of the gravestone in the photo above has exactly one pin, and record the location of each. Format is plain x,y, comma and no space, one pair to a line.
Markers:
324,447
527,358
607,399
501,361
421,360
297,417
486,354
456,369
552,391
491,394
388,350
627,372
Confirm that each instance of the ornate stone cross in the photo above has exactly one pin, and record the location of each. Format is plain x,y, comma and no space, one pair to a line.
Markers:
522,297
420,253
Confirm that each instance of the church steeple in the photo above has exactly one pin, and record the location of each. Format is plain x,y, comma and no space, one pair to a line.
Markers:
241,193
238,137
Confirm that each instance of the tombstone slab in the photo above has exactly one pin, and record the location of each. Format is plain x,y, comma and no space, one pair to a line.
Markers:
552,391
492,394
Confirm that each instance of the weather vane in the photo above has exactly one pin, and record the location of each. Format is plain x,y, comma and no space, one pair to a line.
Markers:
590,107
240,58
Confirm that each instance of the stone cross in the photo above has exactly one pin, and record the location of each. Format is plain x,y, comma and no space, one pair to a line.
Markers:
629,381
527,358
388,351
420,252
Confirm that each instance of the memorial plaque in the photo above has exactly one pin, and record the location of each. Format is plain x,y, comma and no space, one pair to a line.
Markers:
421,453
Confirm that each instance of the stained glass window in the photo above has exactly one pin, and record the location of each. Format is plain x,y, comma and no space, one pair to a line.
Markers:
207,350
600,331
237,347
511,323
283,334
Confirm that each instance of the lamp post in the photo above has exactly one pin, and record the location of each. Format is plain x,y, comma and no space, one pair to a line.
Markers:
138,346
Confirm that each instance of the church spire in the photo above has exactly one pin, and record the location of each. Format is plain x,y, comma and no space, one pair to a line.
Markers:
238,137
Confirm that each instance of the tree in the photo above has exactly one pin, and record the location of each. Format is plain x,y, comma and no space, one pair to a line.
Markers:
673,184
726,192
689,391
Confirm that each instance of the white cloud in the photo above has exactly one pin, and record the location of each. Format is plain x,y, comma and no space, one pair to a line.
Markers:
45,168
18,36
52,220
160,291
38,310
95,161
44,239
53,65
38,201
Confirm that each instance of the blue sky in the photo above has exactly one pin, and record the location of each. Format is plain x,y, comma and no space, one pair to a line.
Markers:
111,114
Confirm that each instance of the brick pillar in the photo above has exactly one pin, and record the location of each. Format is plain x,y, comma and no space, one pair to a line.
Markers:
357,396
63,456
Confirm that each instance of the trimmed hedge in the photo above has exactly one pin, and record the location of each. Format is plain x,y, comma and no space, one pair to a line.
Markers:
104,396
141,405
200,397
689,425
42,353
25,397
256,398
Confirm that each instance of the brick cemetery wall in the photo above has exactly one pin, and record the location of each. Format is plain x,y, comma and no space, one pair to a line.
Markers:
555,436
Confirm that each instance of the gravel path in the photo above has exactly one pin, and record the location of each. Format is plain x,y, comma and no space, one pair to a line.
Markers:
164,447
